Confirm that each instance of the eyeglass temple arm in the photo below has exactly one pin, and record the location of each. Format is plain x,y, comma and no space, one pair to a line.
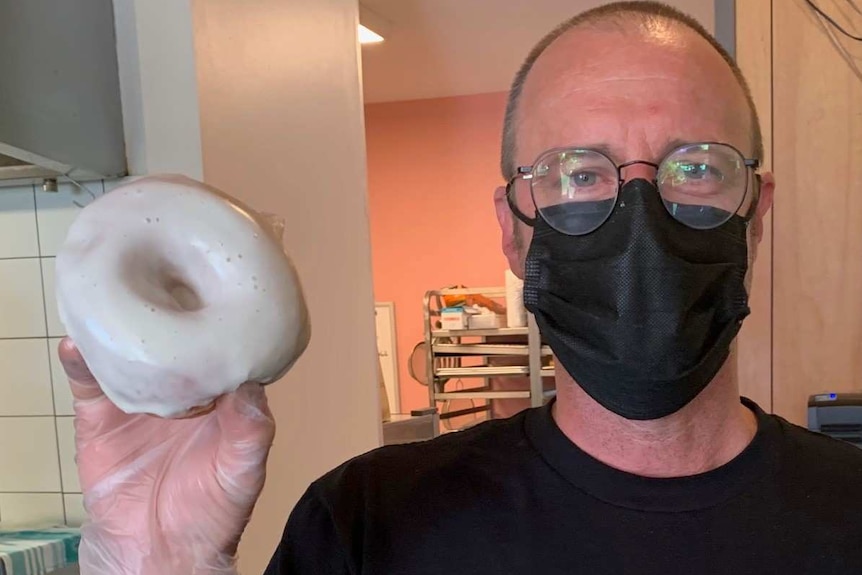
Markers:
510,187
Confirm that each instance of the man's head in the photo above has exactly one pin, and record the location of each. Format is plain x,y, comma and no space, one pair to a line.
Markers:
639,289
629,77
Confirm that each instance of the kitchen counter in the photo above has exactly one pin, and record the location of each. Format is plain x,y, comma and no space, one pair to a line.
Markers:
407,428
38,552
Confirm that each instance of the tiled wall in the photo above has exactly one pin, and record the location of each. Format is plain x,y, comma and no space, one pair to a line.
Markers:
38,478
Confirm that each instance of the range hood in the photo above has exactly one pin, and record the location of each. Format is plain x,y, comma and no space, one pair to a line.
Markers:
60,106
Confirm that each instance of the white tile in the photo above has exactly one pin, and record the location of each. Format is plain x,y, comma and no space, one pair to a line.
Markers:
31,509
57,210
18,238
22,311
55,327
76,515
68,467
28,455
25,378
62,393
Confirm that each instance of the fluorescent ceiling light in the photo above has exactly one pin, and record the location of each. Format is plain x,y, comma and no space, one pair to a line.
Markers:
372,27
368,36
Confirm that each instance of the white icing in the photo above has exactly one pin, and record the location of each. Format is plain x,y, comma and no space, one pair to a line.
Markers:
176,294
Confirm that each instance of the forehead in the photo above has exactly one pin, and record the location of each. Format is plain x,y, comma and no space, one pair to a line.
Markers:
632,92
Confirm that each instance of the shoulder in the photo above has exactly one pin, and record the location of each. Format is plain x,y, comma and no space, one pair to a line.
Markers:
816,488
824,448
399,473
370,503
823,460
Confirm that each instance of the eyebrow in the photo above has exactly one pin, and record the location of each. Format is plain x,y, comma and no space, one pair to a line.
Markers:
608,151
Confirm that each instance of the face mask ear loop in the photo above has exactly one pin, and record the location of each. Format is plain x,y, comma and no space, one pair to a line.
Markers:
752,209
749,257
749,230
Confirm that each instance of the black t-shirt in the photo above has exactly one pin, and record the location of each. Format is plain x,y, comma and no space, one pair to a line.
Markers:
516,496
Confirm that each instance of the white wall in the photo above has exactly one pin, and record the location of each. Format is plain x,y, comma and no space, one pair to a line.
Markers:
282,128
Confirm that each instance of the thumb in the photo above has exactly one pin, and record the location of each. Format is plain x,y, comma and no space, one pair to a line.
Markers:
247,432
95,414
84,385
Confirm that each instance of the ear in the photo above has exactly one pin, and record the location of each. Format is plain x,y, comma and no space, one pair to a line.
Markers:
507,227
764,204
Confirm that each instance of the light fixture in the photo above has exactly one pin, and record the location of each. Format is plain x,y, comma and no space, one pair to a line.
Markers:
368,36
372,27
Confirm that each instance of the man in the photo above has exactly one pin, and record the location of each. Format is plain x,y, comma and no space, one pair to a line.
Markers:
633,210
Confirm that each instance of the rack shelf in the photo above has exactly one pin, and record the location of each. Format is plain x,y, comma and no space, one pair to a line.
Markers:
484,394
480,332
486,349
482,354
482,371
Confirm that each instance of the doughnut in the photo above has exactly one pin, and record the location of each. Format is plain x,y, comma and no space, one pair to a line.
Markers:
176,293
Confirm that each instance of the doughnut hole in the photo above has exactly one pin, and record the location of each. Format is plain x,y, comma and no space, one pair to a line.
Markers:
181,280
183,294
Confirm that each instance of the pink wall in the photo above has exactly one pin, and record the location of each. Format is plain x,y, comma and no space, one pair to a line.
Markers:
432,171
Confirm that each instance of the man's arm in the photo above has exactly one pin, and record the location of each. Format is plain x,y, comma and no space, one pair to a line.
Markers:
310,543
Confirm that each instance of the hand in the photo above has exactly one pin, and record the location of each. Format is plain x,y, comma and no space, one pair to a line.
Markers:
166,496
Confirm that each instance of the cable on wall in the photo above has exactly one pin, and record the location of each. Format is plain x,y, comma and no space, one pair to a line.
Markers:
832,21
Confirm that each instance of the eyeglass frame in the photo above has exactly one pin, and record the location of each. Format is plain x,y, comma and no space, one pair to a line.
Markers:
526,173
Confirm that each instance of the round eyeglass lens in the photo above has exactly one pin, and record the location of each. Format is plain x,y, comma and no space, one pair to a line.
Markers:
703,185
574,190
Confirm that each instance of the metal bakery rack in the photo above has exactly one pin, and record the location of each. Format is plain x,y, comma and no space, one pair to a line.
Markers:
482,357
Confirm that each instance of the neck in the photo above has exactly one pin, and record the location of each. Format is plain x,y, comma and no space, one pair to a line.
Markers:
705,434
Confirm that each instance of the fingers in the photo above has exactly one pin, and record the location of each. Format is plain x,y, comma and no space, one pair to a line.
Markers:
96,416
84,385
248,430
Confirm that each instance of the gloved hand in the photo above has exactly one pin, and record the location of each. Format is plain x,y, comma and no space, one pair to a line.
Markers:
166,496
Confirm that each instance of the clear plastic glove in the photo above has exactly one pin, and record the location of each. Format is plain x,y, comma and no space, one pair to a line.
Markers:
166,497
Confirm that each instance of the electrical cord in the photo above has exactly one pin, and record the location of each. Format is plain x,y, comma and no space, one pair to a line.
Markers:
832,21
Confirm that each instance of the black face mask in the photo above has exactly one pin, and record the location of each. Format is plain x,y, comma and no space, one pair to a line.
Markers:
642,311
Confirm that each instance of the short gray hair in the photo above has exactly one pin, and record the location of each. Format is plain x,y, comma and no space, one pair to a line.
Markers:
620,13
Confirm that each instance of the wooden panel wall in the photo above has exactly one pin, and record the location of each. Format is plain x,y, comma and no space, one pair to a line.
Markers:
817,98
754,54
816,291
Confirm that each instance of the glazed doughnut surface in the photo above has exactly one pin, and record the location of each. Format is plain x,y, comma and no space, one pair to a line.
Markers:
176,293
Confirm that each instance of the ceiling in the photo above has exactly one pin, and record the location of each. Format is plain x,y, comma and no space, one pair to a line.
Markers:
439,48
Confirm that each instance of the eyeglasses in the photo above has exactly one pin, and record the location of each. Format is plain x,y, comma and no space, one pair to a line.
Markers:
702,185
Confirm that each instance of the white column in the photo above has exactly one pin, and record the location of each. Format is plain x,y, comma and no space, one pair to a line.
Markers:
158,83
282,128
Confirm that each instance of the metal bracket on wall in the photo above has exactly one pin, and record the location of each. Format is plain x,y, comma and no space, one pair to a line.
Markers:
725,25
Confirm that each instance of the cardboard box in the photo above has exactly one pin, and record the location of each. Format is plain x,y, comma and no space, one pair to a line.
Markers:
453,318
486,321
